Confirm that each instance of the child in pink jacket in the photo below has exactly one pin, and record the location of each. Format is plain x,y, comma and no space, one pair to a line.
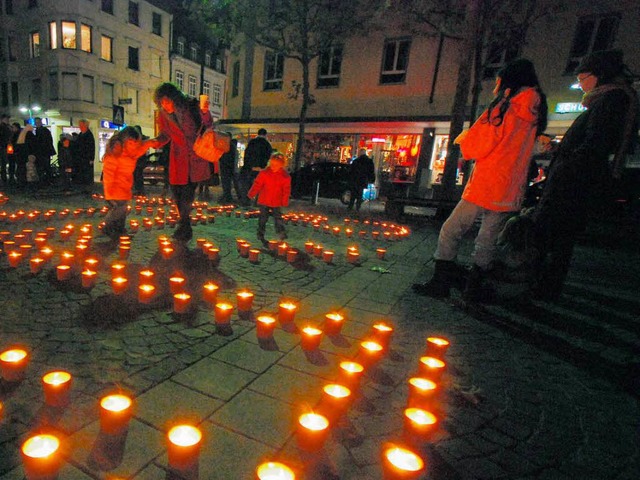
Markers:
272,186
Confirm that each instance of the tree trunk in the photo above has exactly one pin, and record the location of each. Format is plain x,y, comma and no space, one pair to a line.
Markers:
306,101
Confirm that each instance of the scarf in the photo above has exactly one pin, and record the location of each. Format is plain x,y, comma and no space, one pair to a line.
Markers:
630,122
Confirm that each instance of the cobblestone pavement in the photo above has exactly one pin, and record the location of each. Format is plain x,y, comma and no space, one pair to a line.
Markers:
533,390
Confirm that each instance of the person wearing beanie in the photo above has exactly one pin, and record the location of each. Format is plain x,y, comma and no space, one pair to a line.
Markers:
581,173
501,142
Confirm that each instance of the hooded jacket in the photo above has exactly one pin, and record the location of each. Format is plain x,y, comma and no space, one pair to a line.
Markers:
502,154
273,188
117,171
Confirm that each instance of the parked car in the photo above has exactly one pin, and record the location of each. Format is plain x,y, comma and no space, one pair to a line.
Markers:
154,170
332,178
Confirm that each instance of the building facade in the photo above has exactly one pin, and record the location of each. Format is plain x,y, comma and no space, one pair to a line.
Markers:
74,59
392,92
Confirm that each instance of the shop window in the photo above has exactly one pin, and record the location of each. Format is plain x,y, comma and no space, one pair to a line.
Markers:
85,38
70,86
13,47
156,23
180,46
134,58
206,88
4,94
88,94
36,90
134,10
53,86
192,86
498,56
107,94
106,48
69,35
273,70
180,80
235,79
15,94
53,35
34,42
8,7
395,60
592,33
107,6
329,67
216,94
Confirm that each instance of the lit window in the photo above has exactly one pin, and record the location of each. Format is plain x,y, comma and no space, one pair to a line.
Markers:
134,58
216,94
53,35
192,86
85,38
273,70
106,48
156,24
592,34
68,35
329,67
35,44
206,88
134,13
180,80
395,61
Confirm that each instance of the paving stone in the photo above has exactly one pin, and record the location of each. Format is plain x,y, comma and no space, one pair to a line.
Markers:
214,378
289,385
319,362
247,355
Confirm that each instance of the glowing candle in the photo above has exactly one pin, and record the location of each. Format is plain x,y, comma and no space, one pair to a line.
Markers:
183,446
244,300
63,273
254,255
213,253
353,256
292,255
308,247
176,284
239,242
399,463
244,249
124,251
312,431
91,263
348,232
36,264
333,323
317,250
370,352
437,347
310,338
88,278
134,225
282,249
13,364
181,302
118,269
265,324
273,245
351,373
14,259
381,252
375,234
146,292
115,412
222,313
327,256
40,457
420,423
56,387
286,312
26,249
210,292
432,368
422,392
362,233
335,400
47,253
274,471
382,333
66,258
10,246
119,285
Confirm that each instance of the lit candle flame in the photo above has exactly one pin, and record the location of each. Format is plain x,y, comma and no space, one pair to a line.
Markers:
311,331
432,362
371,346
440,342
14,355
266,319
40,446
274,471
56,378
115,403
184,435
337,391
404,459
420,416
422,383
351,367
313,421
334,316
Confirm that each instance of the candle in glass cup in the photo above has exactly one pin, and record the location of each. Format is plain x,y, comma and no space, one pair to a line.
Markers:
317,250
333,323
41,458
167,252
66,258
381,252
26,249
88,278
431,368
123,251
422,392
370,352
353,256
310,338
335,400
244,300
46,253
244,249
399,463
119,285
13,364
210,292
146,292
14,259
56,386
146,276
36,264
327,256
351,373
287,312
419,423
63,273
265,325
181,302
382,333
177,284
274,471
312,431
91,263
282,249
222,313
254,255
115,412
308,247
10,246
437,347
292,255
213,253
273,245
118,269
183,446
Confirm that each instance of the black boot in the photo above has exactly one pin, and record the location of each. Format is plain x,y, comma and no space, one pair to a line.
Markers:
477,290
447,274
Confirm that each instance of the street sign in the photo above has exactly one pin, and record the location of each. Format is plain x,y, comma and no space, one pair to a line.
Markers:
118,115
125,101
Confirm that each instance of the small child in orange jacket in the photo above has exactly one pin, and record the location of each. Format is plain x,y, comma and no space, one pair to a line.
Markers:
119,162
272,186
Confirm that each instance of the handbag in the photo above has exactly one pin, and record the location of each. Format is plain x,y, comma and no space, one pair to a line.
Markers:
210,145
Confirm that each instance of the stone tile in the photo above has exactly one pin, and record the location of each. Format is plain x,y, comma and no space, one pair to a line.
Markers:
320,362
107,456
283,341
67,472
214,378
247,355
257,416
289,385
152,472
170,400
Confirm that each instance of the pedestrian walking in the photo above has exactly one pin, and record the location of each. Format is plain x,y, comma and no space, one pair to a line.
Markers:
42,148
361,175
272,188
256,156
581,172
501,142
179,121
229,173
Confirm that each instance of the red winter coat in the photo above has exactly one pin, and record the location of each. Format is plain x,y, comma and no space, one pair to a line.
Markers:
181,129
502,154
273,188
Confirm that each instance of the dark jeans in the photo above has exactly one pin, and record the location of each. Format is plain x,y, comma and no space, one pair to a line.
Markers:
264,217
115,219
247,178
183,196
21,171
356,196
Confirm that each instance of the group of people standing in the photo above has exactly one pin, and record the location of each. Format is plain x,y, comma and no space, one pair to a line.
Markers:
26,152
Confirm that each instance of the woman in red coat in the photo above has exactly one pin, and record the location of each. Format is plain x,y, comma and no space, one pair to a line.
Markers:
273,187
179,122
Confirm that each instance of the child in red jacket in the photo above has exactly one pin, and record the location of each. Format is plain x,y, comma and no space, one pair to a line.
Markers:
272,186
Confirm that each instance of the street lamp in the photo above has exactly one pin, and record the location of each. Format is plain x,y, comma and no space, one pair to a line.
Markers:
30,109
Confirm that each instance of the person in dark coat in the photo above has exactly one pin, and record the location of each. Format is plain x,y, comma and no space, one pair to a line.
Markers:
229,173
22,149
42,148
84,151
362,174
12,155
256,157
5,141
580,174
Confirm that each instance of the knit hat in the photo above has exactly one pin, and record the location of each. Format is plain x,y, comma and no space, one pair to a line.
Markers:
604,64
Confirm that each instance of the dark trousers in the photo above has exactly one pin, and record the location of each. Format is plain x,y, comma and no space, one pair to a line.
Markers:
43,167
246,181
138,177
264,217
115,218
229,180
356,196
21,171
183,196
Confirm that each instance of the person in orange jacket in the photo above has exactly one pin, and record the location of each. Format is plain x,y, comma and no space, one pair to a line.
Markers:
272,186
501,142
119,162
